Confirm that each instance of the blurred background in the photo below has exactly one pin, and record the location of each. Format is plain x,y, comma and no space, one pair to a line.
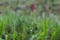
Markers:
29,19
49,6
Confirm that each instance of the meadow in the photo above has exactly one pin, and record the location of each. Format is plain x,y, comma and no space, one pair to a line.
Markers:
26,24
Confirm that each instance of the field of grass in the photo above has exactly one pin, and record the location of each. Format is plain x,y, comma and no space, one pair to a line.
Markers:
19,22
24,27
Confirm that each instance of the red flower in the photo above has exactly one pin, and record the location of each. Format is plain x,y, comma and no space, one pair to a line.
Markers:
32,7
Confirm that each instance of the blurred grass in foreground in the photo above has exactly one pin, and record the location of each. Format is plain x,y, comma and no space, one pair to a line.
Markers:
24,27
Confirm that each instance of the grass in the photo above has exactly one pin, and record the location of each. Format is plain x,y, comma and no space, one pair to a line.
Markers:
27,25
24,27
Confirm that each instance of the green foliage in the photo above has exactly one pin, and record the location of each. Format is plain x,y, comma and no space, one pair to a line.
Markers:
28,25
